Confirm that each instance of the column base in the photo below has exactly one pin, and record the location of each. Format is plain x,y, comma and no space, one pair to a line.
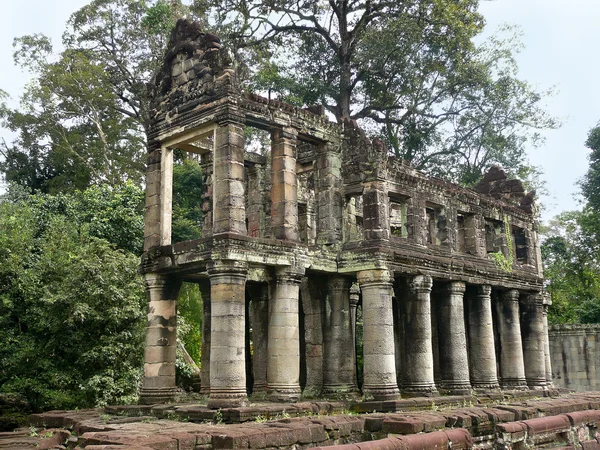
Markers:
420,391
514,385
227,399
152,396
284,393
454,388
341,391
486,387
381,392
537,385
259,392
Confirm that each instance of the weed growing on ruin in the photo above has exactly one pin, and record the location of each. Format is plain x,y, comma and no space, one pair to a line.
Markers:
32,432
260,419
218,417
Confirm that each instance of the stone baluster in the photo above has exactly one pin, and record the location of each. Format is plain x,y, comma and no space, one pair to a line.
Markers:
512,369
161,339
283,363
418,376
532,332
228,344
454,362
482,353
379,381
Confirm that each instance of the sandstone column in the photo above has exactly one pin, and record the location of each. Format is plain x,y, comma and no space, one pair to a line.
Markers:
159,195
454,361
329,196
376,217
482,353
161,339
229,204
354,299
283,364
228,345
259,297
532,331
547,303
379,380
205,349
512,370
339,370
284,190
418,378
312,296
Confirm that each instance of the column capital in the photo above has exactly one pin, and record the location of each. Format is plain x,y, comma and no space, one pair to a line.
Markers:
289,275
227,272
421,283
284,133
455,287
339,283
483,290
533,300
511,295
374,276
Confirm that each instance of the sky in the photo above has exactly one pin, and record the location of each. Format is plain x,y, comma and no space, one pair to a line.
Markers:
561,38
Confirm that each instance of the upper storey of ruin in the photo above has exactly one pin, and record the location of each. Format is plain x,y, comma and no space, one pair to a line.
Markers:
326,198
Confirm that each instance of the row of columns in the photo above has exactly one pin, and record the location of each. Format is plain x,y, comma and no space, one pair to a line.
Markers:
463,336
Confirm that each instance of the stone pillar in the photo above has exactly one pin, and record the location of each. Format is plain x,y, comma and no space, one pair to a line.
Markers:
228,344
284,190
229,204
161,339
532,331
454,361
339,370
259,297
376,217
379,381
482,353
418,378
159,198
329,194
205,356
547,303
512,370
283,366
312,297
354,299
255,211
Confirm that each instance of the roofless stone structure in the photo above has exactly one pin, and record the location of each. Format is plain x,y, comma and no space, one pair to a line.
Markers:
447,280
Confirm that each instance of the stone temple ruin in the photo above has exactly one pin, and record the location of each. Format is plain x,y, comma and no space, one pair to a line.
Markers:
327,228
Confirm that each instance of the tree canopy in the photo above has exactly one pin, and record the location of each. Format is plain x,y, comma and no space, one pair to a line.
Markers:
572,250
409,71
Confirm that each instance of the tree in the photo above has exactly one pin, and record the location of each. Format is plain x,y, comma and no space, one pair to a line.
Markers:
408,70
572,250
82,119
72,305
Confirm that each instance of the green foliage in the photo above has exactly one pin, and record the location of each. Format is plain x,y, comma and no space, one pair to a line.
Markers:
188,190
72,304
409,71
189,309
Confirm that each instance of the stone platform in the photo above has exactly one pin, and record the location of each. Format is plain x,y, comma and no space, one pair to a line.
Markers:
567,421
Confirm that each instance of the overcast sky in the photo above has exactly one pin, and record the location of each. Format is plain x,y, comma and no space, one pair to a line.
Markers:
561,40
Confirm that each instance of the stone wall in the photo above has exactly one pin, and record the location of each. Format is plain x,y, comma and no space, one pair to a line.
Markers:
575,353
